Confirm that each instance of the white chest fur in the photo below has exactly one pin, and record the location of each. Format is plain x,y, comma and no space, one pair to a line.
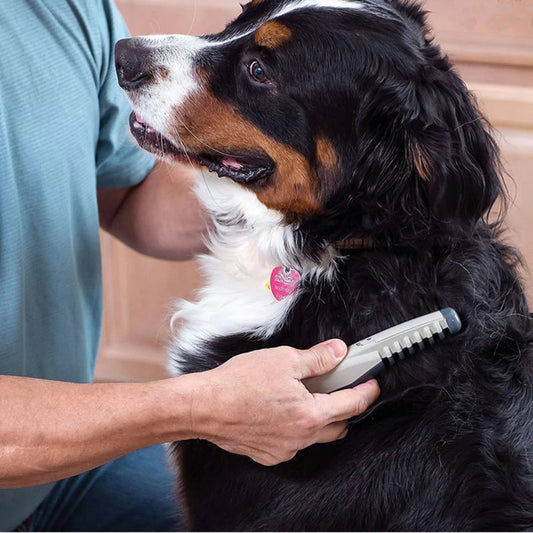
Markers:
246,243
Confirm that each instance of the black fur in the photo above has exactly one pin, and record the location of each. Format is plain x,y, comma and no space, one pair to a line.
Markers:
449,445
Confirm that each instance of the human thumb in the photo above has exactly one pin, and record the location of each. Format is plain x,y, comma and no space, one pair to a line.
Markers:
322,358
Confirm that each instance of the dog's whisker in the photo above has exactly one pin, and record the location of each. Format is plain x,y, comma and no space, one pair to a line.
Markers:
202,142
193,19
187,155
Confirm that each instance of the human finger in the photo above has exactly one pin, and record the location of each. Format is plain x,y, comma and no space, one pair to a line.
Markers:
321,358
332,432
344,404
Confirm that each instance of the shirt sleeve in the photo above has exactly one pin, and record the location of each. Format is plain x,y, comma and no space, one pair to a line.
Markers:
119,161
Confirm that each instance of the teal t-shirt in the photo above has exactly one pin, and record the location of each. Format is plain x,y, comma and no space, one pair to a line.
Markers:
63,132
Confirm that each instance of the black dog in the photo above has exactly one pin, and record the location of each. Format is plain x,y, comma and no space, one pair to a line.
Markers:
343,148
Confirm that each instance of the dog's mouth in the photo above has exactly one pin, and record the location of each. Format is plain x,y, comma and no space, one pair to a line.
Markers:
243,168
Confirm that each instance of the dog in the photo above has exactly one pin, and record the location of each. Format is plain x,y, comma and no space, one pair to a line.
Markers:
339,147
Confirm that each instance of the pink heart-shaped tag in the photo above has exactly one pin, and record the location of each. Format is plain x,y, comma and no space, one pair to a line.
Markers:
284,282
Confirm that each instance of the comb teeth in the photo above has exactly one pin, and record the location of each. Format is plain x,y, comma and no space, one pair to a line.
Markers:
413,343
373,355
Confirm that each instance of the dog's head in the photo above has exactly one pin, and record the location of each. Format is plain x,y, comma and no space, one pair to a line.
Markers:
339,114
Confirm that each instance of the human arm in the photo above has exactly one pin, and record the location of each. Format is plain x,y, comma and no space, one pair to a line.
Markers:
160,217
255,405
150,208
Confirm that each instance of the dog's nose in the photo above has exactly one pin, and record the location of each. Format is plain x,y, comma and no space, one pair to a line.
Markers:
133,63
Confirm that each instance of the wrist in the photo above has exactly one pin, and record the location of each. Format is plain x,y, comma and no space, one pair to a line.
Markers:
183,407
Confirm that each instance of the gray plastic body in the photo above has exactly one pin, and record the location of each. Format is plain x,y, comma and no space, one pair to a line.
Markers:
373,355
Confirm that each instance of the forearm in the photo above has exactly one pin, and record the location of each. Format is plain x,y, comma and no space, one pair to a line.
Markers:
255,404
161,217
51,430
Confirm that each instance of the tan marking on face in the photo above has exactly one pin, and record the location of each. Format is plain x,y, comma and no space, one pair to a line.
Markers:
272,35
205,122
326,154
256,2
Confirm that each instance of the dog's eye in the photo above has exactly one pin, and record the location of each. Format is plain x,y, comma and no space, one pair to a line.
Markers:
257,72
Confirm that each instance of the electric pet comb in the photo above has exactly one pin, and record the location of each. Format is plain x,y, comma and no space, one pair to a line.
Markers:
370,357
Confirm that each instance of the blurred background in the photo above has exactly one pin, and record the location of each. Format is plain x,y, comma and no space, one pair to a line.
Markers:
491,44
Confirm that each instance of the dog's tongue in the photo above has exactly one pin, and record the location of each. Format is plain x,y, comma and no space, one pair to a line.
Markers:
143,122
231,162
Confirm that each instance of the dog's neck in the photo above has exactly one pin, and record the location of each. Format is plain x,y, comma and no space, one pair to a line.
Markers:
247,244
247,233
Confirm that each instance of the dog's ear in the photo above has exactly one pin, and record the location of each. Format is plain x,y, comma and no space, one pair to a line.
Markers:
450,149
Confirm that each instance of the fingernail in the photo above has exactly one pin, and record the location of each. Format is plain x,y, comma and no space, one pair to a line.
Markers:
337,347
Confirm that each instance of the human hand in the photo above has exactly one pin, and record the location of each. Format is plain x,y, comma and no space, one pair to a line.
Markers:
256,404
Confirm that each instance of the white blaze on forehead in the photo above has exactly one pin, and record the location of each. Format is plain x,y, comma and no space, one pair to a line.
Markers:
291,7
325,4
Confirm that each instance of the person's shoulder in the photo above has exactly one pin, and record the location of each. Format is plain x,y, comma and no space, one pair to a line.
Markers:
95,15
107,19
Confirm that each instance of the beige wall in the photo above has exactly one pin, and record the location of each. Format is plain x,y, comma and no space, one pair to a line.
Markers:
491,42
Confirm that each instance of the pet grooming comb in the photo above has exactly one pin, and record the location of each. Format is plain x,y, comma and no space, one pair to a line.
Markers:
370,357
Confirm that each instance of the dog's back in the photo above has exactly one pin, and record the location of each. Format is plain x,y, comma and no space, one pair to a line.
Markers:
447,447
